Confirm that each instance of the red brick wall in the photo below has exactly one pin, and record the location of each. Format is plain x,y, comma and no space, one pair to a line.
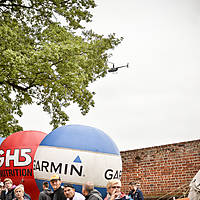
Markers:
162,171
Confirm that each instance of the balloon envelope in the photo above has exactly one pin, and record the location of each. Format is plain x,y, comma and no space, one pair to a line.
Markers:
16,159
78,154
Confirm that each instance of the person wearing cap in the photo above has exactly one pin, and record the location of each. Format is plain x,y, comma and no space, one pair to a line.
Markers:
46,192
69,192
90,193
114,190
135,193
8,193
58,192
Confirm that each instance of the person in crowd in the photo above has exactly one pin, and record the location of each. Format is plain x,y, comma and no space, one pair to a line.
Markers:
114,190
58,192
1,188
90,193
135,193
8,192
19,193
46,192
69,192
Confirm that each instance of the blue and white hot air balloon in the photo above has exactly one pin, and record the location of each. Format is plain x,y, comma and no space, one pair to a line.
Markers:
78,154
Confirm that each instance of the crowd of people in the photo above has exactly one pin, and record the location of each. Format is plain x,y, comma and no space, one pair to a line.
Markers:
8,191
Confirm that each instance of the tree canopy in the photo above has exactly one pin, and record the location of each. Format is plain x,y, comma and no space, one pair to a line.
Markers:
47,57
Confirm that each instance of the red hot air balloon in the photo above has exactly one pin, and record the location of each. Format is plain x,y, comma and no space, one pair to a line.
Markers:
16,159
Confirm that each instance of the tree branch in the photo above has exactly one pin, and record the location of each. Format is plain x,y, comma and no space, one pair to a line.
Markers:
17,5
3,1
17,86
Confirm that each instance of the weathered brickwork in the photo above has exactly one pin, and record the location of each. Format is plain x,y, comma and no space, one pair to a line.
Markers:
163,171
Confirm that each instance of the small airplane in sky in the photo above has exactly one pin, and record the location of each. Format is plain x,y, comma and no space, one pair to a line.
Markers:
114,69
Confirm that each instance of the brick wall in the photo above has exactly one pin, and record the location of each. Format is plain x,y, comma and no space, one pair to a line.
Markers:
162,171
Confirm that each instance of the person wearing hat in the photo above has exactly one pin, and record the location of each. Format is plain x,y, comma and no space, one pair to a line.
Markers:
69,192
8,193
58,192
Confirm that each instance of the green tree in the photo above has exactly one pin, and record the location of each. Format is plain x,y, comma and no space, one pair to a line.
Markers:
47,57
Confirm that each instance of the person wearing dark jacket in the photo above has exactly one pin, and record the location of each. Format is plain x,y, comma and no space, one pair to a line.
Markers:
8,193
135,193
58,192
90,193
46,192
1,188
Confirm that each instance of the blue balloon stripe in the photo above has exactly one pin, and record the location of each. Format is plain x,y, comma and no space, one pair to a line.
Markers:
81,138
1,140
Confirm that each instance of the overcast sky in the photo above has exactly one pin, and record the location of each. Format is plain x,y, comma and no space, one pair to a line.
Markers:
156,100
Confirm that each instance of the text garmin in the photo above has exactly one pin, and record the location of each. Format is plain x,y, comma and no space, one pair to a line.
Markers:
20,158
112,174
61,168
